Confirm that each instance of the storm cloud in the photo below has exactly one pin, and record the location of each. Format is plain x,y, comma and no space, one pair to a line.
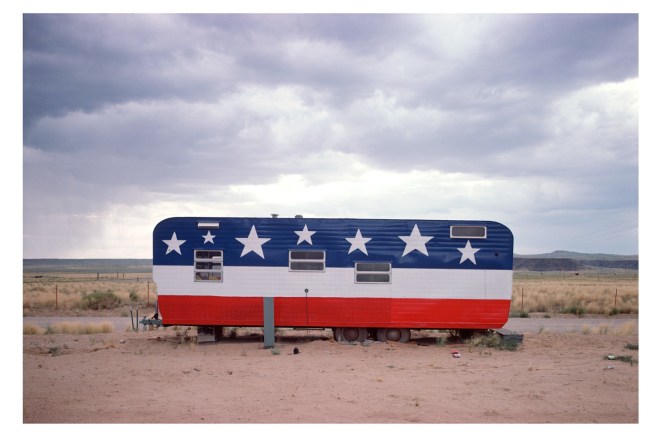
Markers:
528,119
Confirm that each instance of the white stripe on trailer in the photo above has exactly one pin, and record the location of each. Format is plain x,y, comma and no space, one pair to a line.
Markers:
337,283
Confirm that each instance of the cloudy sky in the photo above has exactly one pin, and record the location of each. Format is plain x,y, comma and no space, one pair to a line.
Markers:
526,119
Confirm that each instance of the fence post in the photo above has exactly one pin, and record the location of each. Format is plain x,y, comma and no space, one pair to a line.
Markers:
522,298
147,293
55,296
616,293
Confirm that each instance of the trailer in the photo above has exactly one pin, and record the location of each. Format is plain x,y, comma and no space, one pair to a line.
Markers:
384,277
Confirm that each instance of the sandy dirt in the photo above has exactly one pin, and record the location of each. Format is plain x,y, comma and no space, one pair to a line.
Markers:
158,377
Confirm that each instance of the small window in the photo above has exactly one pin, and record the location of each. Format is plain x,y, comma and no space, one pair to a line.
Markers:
373,272
468,232
208,265
307,261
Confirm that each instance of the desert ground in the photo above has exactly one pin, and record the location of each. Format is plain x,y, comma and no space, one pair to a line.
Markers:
163,376
559,374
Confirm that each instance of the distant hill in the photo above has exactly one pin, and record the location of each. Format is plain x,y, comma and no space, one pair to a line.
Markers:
574,261
546,264
580,256
91,265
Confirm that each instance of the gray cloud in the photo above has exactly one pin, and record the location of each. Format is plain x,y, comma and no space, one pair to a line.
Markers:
132,108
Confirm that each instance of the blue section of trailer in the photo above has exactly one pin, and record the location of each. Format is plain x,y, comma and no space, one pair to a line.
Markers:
174,240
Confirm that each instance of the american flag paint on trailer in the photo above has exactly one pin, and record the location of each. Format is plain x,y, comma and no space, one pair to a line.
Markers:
322,272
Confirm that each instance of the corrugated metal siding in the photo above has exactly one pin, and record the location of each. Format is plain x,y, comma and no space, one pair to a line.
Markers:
338,282
496,251
434,289
335,312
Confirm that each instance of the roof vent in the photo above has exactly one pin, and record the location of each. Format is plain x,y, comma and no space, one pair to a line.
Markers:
208,225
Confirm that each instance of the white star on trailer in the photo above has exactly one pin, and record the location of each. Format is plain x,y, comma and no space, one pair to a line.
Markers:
358,242
305,235
415,242
173,244
253,243
468,253
208,238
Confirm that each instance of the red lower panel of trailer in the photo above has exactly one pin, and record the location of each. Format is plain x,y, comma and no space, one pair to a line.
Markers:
335,312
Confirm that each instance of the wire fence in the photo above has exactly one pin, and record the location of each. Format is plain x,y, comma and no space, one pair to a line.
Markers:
96,276
607,275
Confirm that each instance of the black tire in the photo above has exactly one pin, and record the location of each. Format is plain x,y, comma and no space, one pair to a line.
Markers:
393,335
350,334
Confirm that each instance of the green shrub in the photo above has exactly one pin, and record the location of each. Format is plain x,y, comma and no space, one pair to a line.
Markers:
182,334
574,310
492,340
632,345
625,358
488,340
100,300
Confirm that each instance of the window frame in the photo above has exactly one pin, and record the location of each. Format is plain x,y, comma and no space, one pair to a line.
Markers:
357,271
472,237
293,261
213,260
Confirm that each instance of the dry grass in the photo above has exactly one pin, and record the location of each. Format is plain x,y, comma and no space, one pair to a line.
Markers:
629,328
578,295
82,329
40,293
72,328
31,329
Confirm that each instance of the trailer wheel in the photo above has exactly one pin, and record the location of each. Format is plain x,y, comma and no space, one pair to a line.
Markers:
393,334
350,334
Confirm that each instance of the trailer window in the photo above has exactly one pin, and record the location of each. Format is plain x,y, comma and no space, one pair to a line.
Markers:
208,265
468,232
307,261
373,272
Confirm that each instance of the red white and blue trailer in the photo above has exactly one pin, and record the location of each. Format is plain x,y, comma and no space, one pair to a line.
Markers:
352,275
